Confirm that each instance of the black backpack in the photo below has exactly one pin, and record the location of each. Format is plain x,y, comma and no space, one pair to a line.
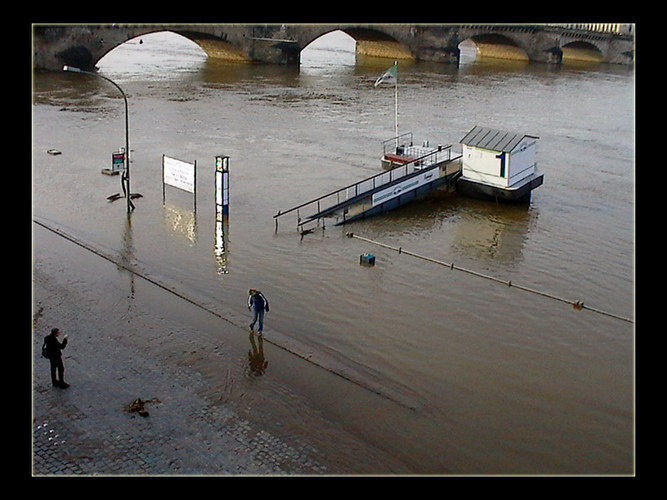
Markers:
45,350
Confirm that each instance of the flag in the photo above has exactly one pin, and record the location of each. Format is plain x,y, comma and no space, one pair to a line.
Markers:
391,75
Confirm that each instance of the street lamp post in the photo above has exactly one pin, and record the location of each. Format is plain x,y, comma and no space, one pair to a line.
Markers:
125,179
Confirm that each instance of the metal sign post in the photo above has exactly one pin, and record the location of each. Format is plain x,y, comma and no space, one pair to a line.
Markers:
222,185
125,177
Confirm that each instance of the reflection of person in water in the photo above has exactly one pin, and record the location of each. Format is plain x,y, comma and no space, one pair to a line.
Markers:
257,363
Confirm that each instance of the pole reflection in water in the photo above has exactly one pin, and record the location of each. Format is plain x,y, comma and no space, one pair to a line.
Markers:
221,211
220,247
256,362
127,256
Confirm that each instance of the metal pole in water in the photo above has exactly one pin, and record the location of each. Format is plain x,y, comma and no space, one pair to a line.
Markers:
125,178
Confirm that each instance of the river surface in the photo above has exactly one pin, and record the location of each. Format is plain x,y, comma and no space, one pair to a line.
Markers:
485,378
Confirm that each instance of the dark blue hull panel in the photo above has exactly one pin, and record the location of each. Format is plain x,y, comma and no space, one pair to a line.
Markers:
399,200
486,192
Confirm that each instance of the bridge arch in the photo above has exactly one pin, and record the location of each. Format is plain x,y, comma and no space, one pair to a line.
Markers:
373,41
497,46
140,37
214,46
211,45
580,50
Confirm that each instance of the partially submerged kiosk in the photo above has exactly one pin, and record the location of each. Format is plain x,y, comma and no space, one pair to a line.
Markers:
499,165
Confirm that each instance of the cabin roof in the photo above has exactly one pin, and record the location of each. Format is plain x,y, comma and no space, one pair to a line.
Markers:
493,139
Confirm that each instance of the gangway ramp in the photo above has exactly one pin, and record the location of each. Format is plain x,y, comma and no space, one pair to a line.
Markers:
381,192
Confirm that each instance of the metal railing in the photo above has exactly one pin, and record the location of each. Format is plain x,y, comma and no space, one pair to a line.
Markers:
328,203
613,28
391,145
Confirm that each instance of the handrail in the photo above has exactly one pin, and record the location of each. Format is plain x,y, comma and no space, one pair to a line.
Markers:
355,185
395,140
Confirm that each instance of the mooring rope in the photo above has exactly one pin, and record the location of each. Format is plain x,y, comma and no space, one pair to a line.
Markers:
576,304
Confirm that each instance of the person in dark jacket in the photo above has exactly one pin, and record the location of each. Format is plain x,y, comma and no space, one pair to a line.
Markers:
54,348
259,304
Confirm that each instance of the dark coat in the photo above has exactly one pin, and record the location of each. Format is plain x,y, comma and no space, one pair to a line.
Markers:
54,347
258,301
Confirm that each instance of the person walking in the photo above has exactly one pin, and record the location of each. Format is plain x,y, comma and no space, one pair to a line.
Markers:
258,302
54,352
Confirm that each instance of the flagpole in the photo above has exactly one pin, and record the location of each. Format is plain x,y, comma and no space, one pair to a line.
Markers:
388,75
396,102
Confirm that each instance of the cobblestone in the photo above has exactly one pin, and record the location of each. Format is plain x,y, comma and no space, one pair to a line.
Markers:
210,413
86,429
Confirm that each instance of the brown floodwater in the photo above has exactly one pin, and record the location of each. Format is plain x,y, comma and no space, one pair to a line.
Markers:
483,378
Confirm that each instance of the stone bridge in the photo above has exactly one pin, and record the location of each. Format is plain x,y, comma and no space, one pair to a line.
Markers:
83,45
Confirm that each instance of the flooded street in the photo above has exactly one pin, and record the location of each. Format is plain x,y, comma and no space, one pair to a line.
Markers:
473,377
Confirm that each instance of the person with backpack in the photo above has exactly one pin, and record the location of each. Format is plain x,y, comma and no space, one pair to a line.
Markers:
52,350
257,301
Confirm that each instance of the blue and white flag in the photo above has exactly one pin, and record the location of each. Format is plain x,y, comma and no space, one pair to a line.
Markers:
391,75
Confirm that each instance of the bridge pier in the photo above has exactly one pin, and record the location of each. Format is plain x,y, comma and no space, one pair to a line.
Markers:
78,46
267,50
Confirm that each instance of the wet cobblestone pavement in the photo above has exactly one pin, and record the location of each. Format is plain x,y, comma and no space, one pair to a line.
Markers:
86,429
211,410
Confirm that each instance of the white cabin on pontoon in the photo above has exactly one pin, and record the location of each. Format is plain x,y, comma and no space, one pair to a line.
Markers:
499,165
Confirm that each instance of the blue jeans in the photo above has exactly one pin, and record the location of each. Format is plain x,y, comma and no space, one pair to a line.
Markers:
259,314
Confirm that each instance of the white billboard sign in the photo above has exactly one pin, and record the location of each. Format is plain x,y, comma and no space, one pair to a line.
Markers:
178,174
